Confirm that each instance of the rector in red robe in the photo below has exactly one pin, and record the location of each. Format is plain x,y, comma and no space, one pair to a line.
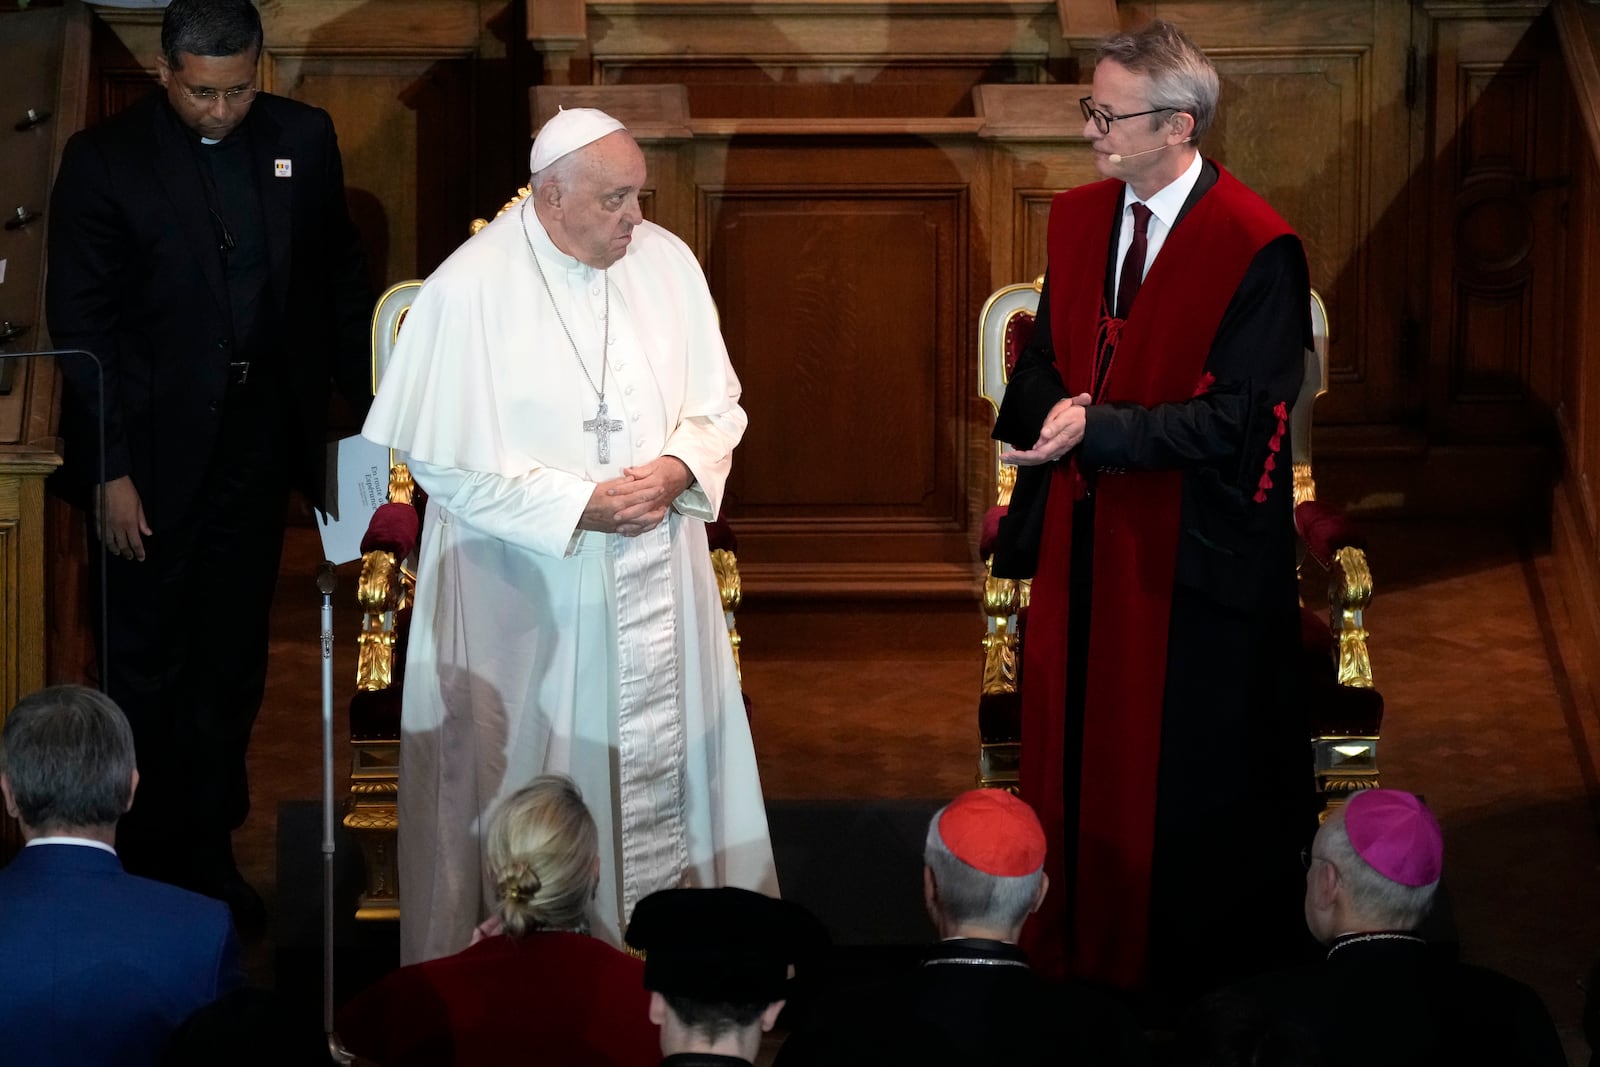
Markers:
1162,742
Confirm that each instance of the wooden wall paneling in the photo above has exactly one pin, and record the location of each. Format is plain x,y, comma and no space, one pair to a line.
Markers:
1575,533
1315,116
1087,19
391,118
397,80
1037,149
32,57
785,35
1577,401
842,273
1498,131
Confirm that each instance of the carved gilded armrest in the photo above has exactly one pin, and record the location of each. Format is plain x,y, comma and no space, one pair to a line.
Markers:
1005,605
1349,593
384,591
726,566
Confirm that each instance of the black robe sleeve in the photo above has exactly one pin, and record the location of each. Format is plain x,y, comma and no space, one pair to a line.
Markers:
1257,360
87,245
1035,385
1034,388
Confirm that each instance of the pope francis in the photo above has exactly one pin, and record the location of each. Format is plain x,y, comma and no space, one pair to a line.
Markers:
563,394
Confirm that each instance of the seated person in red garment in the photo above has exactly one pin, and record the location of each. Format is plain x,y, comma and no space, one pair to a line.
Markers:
537,982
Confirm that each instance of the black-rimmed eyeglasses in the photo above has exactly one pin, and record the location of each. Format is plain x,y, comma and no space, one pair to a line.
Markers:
1103,120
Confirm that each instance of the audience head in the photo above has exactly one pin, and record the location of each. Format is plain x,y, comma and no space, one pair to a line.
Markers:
67,763
983,872
1374,865
717,963
544,856
588,173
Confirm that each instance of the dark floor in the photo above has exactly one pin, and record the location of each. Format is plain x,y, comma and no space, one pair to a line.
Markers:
1489,714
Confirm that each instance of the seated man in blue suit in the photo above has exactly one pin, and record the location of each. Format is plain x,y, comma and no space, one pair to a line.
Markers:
100,967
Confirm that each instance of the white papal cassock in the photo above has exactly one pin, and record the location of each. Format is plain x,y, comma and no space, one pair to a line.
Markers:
539,648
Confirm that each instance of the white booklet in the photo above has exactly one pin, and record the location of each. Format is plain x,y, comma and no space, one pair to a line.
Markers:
358,485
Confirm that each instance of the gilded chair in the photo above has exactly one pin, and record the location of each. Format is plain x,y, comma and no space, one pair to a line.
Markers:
1344,711
385,591
1006,323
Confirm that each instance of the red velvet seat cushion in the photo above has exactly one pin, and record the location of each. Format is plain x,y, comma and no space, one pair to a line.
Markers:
1326,529
991,530
1019,328
720,536
393,529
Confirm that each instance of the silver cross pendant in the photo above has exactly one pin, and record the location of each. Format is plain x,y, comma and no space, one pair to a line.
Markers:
602,428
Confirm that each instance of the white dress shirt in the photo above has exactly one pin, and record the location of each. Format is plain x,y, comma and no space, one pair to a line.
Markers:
1164,208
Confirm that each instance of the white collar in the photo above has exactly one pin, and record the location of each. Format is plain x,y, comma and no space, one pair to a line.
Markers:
86,842
1166,204
546,247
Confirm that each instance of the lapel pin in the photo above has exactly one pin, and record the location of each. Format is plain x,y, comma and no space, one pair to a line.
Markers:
282,168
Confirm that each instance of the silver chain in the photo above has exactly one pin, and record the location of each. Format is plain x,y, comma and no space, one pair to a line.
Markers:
1374,937
605,279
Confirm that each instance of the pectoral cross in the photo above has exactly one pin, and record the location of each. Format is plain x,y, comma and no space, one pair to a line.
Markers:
602,428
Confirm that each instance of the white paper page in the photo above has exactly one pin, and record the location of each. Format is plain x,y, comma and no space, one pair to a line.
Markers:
358,484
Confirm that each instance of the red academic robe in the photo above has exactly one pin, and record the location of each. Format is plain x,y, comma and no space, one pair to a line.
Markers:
544,998
1151,459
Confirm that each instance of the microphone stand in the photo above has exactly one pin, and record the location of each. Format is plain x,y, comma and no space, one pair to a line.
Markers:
326,582
100,421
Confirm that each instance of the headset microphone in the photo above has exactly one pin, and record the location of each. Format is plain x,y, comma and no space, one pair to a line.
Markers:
1115,158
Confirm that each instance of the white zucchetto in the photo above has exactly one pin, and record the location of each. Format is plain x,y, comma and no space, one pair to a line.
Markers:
567,131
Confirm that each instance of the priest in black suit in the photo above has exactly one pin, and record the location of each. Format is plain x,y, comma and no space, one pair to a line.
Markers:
201,247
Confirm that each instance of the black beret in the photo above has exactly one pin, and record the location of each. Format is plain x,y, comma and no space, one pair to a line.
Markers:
722,945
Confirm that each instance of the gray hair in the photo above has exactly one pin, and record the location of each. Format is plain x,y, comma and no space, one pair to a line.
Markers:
1181,77
68,753
1372,896
209,28
542,849
559,170
970,896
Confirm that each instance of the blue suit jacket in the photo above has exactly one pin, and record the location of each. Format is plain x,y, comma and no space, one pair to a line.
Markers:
99,966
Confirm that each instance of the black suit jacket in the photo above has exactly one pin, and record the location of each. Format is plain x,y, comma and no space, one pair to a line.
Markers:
136,277
970,1003
1386,1003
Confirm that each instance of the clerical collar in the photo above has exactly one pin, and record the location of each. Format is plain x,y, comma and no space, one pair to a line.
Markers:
1383,935
543,246
976,952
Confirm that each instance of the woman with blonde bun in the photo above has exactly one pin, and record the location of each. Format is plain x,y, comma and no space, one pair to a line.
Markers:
533,984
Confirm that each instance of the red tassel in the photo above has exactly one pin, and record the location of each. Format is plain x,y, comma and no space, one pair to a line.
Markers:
1272,463
1261,496
1203,386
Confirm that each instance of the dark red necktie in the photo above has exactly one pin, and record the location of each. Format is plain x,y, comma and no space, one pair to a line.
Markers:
1133,262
